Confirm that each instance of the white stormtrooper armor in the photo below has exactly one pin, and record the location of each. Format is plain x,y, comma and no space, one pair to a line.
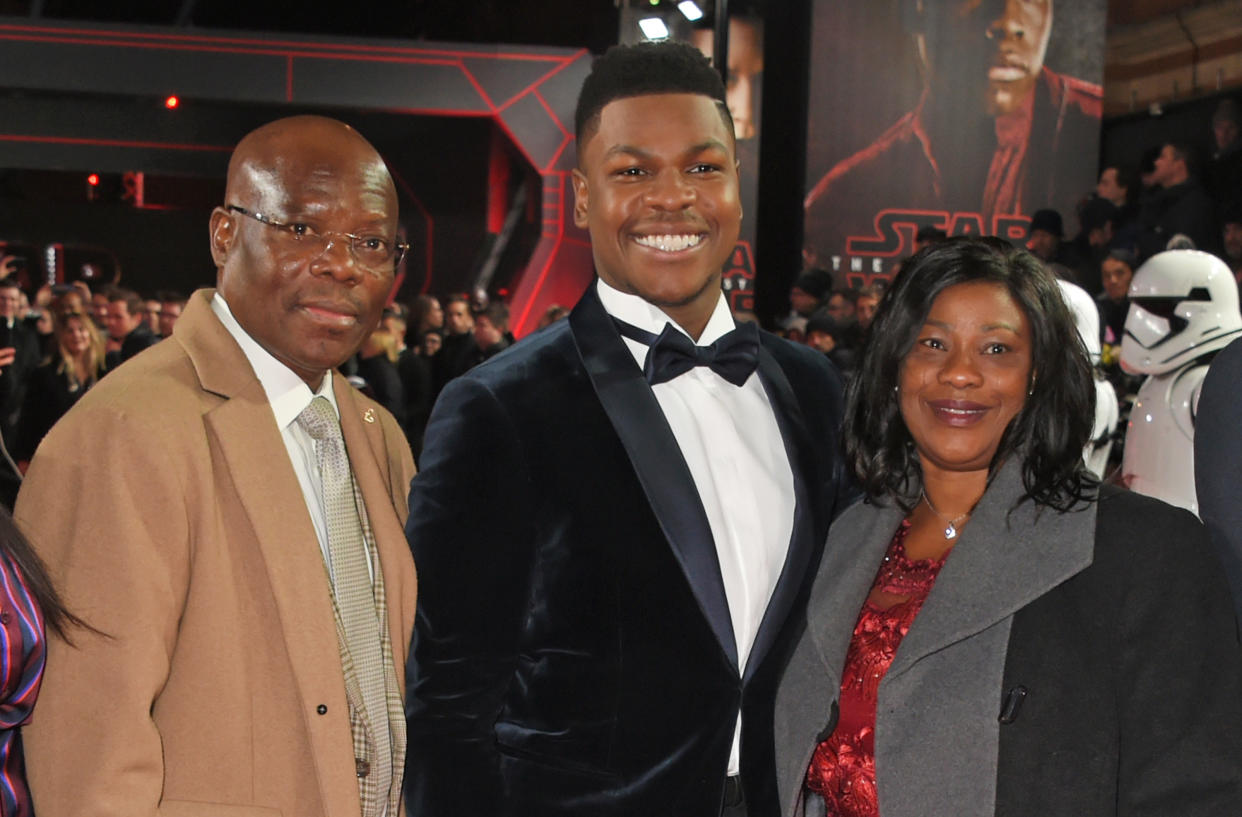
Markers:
1183,309
1107,412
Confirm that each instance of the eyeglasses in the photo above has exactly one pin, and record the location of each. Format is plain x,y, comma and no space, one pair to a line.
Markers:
371,251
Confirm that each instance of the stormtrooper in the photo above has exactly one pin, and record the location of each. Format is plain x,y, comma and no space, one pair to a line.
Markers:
1107,412
1183,310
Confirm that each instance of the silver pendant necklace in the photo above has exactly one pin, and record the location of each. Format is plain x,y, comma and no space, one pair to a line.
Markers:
950,531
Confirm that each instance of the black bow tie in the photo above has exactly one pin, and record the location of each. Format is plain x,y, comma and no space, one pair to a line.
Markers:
733,356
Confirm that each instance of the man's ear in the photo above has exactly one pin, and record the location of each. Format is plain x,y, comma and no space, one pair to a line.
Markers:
222,232
581,196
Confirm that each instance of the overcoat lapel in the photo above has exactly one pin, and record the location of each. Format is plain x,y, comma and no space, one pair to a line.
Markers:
635,414
812,681
244,432
1003,561
852,556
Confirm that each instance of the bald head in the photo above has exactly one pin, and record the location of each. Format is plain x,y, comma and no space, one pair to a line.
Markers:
269,158
306,203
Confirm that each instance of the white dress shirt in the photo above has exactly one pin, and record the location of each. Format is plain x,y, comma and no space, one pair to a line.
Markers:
288,395
733,446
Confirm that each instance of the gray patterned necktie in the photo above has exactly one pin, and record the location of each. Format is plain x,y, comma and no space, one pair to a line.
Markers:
351,578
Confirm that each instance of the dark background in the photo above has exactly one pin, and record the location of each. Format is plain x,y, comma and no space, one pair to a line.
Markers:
442,160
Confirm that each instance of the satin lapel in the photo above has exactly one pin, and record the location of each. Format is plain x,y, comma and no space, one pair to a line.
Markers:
255,458
653,451
799,449
812,681
1001,563
852,556
368,458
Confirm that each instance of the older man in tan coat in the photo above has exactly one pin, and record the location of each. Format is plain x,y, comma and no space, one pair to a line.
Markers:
191,513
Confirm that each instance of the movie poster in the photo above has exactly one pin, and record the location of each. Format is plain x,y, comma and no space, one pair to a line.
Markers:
963,115
743,92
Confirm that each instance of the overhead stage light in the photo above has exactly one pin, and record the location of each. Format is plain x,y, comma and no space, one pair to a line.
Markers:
690,10
171,101
654,28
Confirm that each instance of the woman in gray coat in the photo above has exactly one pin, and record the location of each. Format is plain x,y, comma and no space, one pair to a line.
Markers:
1029,642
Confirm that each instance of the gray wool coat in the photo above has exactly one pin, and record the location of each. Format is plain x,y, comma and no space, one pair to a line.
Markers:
1064,664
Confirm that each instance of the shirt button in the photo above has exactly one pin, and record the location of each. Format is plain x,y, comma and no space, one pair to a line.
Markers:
4,617
363,766
322,709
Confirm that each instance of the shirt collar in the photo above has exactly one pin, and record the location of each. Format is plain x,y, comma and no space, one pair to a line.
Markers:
637,312
287,393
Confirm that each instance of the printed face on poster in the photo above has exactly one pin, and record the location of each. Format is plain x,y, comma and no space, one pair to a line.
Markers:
962,115
744,95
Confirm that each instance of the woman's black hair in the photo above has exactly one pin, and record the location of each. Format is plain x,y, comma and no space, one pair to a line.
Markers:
13,545
1055,423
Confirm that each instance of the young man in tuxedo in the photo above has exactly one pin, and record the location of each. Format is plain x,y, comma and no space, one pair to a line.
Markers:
616,518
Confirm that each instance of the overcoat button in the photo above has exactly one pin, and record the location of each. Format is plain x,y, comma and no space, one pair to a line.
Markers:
322,709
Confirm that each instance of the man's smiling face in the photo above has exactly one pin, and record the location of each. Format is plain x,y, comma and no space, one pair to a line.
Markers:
657,188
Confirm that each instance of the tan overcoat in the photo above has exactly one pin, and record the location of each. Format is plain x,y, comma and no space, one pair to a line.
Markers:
169,514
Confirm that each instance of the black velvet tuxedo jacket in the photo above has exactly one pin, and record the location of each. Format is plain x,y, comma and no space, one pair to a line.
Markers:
573,649
1218,462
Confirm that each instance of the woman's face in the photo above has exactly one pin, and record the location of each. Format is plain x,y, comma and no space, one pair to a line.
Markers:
966,376
74,336
1115,275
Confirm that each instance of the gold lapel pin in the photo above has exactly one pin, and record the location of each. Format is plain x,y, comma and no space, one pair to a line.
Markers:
369,415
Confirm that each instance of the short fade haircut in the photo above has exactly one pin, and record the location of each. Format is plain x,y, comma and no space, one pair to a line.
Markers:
134,302
928,233
168,296
848,293
1184,152
646,68
1127,179
497,313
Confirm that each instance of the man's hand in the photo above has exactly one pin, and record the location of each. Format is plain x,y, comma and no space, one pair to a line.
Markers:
7,355
8,265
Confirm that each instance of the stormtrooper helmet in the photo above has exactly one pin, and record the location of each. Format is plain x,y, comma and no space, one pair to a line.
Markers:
1183,304
1086,317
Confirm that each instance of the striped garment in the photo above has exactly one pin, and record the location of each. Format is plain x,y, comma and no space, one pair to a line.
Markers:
22,655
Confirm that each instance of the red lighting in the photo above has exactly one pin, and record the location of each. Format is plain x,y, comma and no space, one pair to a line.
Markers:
93,179
171,102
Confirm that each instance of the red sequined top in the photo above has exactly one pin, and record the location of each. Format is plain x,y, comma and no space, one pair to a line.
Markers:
842,769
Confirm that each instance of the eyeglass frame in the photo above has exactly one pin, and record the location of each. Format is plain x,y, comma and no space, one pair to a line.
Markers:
400,248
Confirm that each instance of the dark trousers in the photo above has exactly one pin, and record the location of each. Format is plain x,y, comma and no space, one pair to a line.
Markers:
734,804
